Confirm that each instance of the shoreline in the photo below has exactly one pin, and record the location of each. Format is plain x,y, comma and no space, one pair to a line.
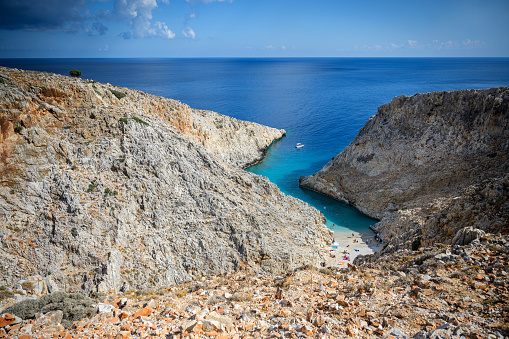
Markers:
352,242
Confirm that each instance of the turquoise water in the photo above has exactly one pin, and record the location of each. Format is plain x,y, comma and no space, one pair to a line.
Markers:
284,164
320,102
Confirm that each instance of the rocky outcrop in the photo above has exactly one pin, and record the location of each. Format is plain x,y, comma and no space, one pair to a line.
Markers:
110,189
452,292
428,166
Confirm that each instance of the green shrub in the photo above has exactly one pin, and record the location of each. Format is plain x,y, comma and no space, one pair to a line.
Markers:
75,73
25,309
91,187
325,271
118,94
4,293
74,306
74,232
108,192
181,293
18,129
138,120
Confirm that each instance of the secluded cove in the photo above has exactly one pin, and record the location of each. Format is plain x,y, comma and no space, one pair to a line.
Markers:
283,164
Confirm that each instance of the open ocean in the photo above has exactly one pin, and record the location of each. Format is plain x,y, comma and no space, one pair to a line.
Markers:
320,102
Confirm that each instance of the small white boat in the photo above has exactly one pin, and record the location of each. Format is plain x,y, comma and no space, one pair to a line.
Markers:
299,145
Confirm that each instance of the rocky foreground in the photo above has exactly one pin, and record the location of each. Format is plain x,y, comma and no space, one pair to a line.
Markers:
436,292
432,168
107,189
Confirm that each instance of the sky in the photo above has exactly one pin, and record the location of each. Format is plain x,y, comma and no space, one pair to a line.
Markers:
253,28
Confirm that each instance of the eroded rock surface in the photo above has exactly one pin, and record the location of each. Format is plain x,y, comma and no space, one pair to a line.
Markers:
107,193
427,166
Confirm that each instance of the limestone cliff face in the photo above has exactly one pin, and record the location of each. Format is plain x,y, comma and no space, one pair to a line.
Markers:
427,165
106,193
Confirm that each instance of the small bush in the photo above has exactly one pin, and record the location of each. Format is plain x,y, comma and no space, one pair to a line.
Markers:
75,73
216,299
325,271
74,232
91,187
4,293
181,293
108,192
241,296
27,286
25,309
306,267
138,120
18,129
118,94
99,295
74,306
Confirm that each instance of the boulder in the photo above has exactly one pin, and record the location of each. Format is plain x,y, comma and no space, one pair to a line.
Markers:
466,235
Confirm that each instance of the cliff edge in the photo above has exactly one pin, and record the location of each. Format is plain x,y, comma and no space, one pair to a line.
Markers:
109,189
428,166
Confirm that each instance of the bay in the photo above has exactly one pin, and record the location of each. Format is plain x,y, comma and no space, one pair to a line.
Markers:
320,102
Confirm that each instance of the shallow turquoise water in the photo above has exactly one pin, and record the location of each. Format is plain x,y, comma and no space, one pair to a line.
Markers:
320,102
284,164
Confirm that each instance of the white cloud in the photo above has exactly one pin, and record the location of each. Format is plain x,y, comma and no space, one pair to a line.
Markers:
283,48
161,30
138,13
189,33
445,45
412,43
472,43
269,47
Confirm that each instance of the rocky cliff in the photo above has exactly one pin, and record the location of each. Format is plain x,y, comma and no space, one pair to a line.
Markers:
427,166
107,189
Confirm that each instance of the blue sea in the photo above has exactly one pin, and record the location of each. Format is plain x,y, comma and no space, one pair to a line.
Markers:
320,102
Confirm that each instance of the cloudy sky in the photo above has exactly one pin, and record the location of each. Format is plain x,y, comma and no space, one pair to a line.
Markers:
253,28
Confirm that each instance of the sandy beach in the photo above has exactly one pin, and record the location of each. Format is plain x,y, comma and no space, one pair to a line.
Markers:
354,244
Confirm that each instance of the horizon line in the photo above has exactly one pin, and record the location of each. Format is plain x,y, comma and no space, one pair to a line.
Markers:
273,57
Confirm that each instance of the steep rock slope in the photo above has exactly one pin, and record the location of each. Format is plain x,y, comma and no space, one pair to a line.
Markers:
104,192
427,166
